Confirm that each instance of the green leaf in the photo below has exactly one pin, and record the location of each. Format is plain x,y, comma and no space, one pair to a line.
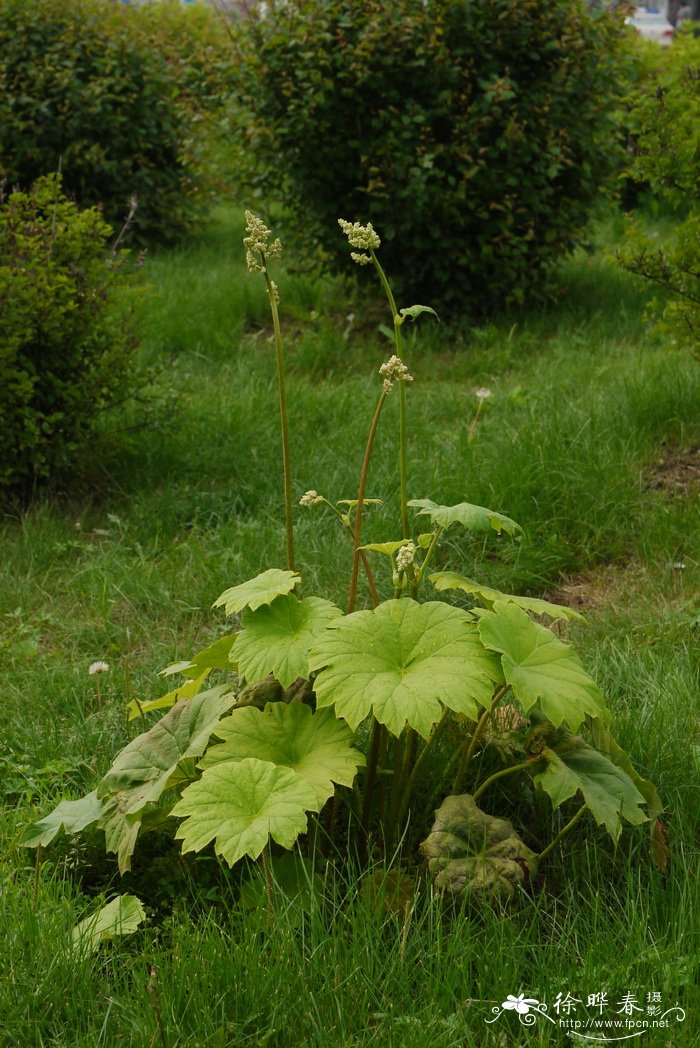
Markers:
606,743
258,591
450,580
184,691
573,766
389,548
415,311
317,746
402,662
541,668
239,805
69,816
351,503
141,771
473,518
295,879
121,916
215,657
276,639
472,853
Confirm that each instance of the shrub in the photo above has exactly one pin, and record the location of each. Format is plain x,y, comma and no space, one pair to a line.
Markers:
99,91
67,331
479,133
666,118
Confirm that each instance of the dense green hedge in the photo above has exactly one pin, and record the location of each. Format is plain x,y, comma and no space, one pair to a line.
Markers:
665,120
115,97
67,332
474,134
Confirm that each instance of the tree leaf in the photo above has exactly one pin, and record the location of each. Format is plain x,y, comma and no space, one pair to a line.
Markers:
473,518
402,662
573,766
450,580
121,916
69,816
317,746
141,770
276,639
540,667
258,591
239,805
470,852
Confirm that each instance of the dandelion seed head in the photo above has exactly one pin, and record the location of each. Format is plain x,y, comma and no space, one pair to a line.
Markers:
98,667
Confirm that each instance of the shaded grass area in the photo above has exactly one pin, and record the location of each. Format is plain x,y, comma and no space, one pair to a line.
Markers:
126,565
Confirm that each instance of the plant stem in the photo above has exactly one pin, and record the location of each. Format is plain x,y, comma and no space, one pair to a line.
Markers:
368,793
471,746
430,550
400,791
284,420
419,763
562,833
403,439
362,487
503,773
269,884
403,459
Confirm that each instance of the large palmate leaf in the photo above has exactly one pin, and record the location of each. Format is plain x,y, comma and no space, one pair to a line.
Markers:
69,816
573,766
121,916
258,591
541,668
317,746
450,580
141,771
473,518
276,639
474,853
402,662
240,804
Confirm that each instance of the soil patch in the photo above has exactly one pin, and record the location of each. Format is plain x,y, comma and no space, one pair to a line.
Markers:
678,472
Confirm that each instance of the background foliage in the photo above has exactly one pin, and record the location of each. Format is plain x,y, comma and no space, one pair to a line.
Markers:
67,333
479,133
665,118
117,99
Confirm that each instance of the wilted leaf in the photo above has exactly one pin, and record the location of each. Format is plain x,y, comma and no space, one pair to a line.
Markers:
276,639
69,816
474,853
239,805
121,916
575,767
660,850
402,662
317,746
473,518
540,667
258,591
450,580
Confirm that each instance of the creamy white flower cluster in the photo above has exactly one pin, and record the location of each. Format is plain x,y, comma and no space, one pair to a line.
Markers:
258,240
405,556
311,498
394,370
363,237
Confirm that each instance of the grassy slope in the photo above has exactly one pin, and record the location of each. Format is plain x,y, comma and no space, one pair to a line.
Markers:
584,399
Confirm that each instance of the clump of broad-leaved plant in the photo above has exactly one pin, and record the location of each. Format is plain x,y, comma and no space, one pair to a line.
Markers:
368,717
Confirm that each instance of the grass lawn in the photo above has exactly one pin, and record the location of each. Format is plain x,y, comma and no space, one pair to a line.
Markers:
590,440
